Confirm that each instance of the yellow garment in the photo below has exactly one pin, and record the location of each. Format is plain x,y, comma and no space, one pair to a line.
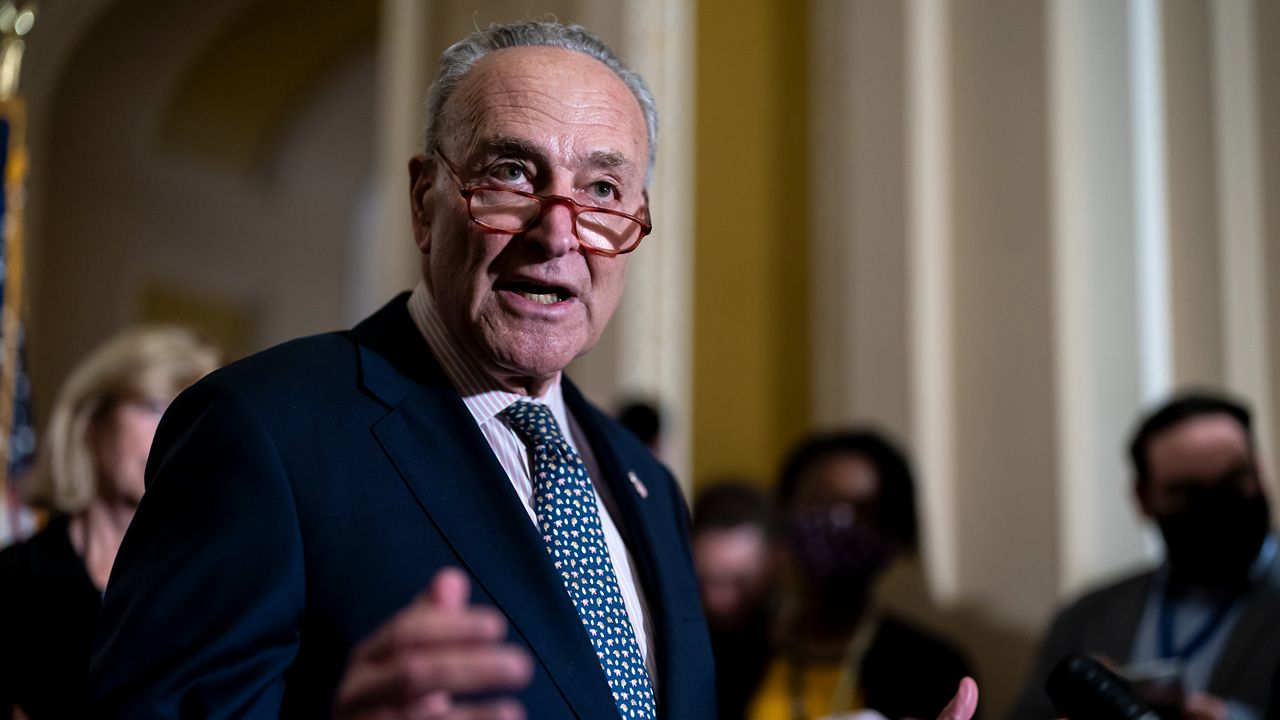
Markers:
818,685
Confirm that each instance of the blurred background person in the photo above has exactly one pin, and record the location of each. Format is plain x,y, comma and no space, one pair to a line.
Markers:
644,420
733,541
89,479
1210,613
848,503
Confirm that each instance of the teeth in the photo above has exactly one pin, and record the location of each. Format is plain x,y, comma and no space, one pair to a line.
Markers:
540,298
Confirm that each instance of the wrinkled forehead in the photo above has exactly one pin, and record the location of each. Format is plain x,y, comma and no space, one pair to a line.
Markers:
560,103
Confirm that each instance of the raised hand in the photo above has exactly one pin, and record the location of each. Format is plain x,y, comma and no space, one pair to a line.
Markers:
1203,706
964,704
417,664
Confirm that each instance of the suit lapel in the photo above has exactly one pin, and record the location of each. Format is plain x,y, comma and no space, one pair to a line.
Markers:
631,523
1118,628
1257,623
433,442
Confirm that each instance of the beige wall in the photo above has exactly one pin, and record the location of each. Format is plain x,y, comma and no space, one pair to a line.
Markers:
130,198
1004,360
1268,29
858,288
1197,335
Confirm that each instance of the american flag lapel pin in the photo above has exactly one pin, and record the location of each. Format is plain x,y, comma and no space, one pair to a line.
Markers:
641,490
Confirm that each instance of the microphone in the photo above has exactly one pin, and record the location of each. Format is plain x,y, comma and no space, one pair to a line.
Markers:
1082,688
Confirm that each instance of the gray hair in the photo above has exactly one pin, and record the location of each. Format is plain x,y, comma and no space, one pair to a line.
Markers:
463,55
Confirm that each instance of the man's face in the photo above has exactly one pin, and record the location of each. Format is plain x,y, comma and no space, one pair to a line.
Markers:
1204,492
545,121
733,569
1202,453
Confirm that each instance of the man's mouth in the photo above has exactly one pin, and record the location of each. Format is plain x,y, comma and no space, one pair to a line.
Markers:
537,292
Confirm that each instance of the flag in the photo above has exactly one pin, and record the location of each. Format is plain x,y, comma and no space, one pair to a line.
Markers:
17,434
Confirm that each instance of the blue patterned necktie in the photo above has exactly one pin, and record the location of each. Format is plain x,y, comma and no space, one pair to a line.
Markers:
565,504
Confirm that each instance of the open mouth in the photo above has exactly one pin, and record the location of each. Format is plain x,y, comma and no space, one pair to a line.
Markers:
537,292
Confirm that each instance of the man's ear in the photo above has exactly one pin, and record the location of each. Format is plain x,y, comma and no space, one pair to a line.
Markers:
422,173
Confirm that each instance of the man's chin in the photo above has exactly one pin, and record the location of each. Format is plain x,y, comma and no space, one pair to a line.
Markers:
535,352
548,364
525,366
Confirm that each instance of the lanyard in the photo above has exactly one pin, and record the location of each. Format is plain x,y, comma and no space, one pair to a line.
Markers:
847,681
1199,638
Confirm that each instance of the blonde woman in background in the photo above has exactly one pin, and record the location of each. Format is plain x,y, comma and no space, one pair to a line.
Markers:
89,478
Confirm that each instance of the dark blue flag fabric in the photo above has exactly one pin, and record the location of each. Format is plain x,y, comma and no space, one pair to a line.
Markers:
17,433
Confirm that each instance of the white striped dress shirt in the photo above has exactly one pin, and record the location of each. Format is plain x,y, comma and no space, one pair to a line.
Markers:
481,397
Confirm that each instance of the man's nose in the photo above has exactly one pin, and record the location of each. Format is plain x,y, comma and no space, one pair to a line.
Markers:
555,229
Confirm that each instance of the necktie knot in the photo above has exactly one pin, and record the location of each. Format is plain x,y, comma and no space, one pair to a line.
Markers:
532,421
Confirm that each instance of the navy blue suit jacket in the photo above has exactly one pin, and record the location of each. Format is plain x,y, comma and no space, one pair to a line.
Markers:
300,497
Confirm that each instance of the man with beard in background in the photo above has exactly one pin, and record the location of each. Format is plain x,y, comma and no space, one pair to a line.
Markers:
1206,619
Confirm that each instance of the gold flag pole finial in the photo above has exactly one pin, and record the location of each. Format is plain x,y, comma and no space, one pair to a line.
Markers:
16,20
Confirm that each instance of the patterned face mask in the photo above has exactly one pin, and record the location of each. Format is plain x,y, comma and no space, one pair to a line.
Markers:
839,554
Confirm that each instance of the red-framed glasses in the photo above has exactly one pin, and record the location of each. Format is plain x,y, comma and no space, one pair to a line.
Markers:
599,230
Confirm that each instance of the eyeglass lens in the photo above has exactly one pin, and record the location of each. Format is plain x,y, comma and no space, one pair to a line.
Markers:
511,212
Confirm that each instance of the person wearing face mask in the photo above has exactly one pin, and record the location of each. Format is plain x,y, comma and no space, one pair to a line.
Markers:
1206,619
847,500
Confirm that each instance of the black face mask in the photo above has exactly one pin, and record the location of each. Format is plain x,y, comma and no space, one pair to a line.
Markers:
1215,538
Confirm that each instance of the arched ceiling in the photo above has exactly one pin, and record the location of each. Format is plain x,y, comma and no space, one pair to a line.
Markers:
241,89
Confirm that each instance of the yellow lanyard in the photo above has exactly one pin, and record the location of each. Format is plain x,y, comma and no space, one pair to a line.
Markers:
848,685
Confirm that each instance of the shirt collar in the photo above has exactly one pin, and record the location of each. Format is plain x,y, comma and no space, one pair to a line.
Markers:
481,394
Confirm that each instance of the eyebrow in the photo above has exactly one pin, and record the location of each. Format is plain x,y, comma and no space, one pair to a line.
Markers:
510,145
521,147
608,159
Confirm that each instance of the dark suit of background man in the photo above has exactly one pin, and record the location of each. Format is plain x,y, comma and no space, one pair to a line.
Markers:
300,501
1213,607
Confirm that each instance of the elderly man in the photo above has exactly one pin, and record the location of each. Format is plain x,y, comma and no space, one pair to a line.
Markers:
1208,615
420,517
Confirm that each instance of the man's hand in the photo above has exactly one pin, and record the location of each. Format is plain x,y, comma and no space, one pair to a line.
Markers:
963,705
1203,706
414,665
